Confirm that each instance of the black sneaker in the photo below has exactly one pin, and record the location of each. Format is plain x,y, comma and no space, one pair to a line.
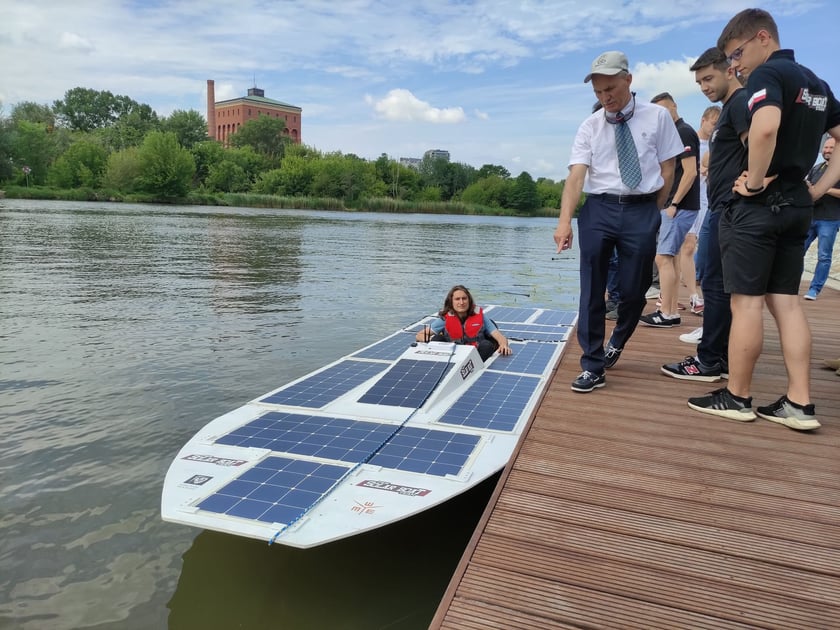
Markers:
690,369
722,403
658,320
785,412
611,355
587,381
724,369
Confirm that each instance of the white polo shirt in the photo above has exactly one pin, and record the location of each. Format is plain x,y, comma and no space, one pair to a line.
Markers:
656,139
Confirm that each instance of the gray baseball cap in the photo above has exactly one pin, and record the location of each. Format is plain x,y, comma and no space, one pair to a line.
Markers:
609,63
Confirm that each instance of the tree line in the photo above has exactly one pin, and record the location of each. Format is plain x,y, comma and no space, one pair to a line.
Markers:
114,147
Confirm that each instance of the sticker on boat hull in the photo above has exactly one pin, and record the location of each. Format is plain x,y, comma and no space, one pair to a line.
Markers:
393,487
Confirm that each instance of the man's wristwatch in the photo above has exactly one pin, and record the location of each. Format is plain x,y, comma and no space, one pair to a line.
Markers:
753,190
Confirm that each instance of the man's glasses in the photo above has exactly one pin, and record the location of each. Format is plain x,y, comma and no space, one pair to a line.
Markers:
739,52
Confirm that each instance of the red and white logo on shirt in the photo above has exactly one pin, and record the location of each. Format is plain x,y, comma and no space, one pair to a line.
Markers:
757,97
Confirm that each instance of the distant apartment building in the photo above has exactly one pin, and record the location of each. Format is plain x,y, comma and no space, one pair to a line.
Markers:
436,154
410,162
226,117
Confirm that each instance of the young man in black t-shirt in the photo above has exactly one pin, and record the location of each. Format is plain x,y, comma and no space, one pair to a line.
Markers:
762,233
727,160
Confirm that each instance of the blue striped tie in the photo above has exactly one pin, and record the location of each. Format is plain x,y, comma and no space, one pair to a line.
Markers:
628,158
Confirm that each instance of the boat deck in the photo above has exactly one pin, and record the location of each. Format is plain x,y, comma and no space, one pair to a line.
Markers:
623,508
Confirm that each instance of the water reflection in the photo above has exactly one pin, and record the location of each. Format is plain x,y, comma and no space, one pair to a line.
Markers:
389,578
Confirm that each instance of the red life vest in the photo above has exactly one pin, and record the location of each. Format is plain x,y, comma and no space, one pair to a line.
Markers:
468,333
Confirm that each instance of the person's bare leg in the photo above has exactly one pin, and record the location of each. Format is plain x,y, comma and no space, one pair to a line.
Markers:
688,271
746,337
795,336
669,279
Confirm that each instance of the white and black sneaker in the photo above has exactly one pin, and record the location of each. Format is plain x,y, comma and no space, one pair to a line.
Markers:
783,411
657,319
723,403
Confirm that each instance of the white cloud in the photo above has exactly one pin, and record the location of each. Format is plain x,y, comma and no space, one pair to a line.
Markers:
671,76
71,41
401,105
481,115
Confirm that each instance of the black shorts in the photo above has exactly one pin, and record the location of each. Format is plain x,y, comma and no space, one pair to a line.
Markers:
762,250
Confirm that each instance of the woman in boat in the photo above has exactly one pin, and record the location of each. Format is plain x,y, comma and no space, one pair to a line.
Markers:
462,322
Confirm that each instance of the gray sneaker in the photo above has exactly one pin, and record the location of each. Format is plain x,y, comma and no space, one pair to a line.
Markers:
783,412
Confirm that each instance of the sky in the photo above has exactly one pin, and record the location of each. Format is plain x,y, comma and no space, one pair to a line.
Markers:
493,82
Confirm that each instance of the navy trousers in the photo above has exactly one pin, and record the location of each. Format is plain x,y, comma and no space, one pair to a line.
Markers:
630,229
717,316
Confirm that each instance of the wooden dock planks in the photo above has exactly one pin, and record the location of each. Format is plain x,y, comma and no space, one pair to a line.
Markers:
623,508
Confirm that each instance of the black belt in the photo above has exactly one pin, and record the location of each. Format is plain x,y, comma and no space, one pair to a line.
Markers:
626,198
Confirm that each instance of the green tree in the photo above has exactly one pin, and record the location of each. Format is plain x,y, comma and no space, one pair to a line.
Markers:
83,109
523,196
82,164
266,135
227,176
492,191
344,177
248,160
493,169
33,112
166,168
32,147
123,170
188,126
549,192
128,130
206,154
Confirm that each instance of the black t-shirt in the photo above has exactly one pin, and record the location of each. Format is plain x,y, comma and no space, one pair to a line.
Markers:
727,154
808,110
827,207
691,144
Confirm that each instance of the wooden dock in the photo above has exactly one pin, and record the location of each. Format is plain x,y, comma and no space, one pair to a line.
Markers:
623,508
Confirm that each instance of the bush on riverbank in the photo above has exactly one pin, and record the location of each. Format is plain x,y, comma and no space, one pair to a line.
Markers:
252,200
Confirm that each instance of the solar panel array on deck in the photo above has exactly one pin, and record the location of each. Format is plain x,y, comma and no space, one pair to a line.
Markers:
495,401
407,384
325,386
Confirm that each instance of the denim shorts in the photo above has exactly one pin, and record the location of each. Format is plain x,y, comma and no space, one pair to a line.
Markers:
761,250
672,231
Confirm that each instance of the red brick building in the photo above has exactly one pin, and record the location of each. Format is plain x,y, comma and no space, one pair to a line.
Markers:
226,117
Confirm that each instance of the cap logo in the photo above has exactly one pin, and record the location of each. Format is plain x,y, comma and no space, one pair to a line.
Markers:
601,60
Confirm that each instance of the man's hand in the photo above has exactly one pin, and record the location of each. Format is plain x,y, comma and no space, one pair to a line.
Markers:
740,185
563,236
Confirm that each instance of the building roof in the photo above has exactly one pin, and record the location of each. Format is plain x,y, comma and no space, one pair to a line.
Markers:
257,100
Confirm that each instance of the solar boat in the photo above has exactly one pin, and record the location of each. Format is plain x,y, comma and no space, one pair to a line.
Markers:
379,435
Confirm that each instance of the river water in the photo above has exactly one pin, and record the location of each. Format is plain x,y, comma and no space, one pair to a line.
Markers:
125,328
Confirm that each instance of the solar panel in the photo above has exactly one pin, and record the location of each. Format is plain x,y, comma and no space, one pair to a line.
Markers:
276,490
535,332
407,384
495,401
426,451
556,318
529,358
324,387
387,349
328,438
432,452
510,314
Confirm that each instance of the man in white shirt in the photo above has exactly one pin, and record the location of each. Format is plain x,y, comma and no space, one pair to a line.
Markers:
621,211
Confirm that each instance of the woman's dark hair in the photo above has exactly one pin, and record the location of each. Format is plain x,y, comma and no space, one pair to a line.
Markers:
447,303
